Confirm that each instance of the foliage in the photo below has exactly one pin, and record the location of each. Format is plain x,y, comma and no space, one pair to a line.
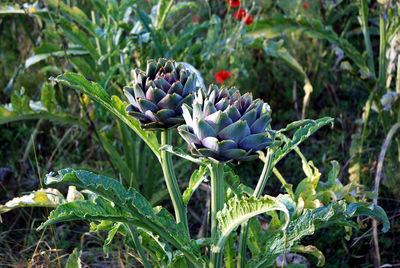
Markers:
343,54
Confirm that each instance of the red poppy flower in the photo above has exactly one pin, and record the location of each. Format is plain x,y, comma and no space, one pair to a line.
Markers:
249,19
239,14
233,3
196,19
221,76
305,6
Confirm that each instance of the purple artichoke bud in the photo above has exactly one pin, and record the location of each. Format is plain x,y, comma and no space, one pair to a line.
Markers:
225,125
156,96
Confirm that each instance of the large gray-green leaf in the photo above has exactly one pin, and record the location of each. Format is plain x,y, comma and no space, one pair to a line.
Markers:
306,224
112,104
40,198
121,206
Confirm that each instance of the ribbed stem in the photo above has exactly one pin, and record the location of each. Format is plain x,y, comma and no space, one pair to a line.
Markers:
170,180
257,193
217,203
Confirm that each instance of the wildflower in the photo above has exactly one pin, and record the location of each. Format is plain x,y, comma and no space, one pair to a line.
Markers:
239,14
233,3
221,76
196,19
305,6
249,20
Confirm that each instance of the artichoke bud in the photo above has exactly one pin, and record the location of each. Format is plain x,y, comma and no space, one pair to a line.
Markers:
226,126
156,96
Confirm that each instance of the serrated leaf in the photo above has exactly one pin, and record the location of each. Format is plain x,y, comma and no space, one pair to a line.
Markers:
295,124
337,213
97,209
300,135
112,104
236,211
120,205
41,198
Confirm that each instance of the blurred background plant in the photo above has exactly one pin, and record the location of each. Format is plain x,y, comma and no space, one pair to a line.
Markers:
306,58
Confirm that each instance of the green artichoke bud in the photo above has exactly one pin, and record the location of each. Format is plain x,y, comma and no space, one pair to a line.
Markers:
156,96
226,126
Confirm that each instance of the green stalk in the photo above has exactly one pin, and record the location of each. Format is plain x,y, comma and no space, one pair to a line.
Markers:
217,203
257,193
264,174
170,180
364,26
382,53
288,187
136,242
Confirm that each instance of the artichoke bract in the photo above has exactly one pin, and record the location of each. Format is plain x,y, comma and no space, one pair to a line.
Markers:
226,126
156,96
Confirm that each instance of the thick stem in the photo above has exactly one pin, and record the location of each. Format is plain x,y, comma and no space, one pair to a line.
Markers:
170,180
217,203
265,174
257,193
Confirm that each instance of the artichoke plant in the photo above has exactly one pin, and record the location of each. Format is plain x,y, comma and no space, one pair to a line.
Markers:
156,96
225,125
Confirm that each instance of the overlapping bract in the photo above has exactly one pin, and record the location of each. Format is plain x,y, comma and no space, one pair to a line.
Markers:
226,126
156,96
